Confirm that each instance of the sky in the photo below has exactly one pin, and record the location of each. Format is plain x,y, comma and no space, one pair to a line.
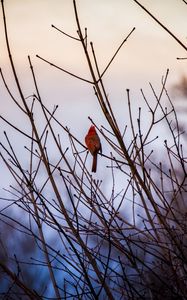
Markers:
144,58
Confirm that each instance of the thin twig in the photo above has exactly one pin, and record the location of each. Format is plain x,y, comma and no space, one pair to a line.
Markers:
65,71
162,25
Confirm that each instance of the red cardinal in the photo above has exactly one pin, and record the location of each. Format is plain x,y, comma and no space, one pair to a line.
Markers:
93,143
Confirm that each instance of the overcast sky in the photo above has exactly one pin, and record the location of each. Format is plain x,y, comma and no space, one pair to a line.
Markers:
143,59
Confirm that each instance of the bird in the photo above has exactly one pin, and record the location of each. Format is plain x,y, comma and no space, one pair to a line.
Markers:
93,144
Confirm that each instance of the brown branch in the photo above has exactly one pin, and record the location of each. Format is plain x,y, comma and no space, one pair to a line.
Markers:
106,68
162,25
66,34
31,294
63,70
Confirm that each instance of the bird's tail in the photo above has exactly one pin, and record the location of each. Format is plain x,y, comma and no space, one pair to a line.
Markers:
94,164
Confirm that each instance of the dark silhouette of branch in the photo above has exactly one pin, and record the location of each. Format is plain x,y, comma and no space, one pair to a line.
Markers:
162,25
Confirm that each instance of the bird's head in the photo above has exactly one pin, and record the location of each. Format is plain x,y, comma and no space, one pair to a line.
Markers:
92,130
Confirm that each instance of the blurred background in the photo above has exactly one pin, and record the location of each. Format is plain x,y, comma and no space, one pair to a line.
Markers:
144,58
